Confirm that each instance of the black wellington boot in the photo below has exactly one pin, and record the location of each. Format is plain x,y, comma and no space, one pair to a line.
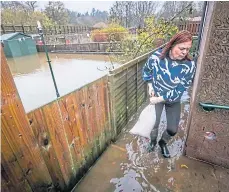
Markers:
164,149
152,146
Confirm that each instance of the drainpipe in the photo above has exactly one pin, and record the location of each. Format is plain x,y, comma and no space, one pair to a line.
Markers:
201,28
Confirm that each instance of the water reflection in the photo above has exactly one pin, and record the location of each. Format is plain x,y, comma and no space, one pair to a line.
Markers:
25,65
34,82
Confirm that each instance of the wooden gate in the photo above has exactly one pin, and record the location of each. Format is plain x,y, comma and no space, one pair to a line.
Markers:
208,137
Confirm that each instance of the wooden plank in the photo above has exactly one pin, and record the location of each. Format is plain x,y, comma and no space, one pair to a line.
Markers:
107,108
121,101
81,124
131,101
101,112
121,125
87,144
90,122
42,134
131,81
102,95
6,185
97,116
83,105
93,118
120,89
111,104
18,133
69,112
121,118
131,92
123,97
120,109
132,104
11,170
130,76
54,122
87,109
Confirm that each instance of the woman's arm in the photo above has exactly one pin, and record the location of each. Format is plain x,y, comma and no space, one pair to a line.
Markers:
148,74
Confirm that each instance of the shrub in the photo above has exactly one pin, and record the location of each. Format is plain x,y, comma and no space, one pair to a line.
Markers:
113,32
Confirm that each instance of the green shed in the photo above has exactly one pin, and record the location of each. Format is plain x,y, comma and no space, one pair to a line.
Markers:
18,44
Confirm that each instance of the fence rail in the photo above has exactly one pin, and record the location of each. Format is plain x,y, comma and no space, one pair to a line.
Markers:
60,29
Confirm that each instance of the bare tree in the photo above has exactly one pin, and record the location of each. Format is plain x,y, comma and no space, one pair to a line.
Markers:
13,5
56,11
32,5
132,13
170,8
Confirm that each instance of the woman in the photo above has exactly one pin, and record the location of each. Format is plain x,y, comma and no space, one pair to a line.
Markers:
169,72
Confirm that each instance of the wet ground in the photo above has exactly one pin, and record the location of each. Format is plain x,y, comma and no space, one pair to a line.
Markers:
71,71
127,166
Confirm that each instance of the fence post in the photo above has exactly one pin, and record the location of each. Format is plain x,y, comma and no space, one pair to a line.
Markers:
23,29
30,28
60,31
22,144
64,29
67,29
111,97
55,30
3,29
14,28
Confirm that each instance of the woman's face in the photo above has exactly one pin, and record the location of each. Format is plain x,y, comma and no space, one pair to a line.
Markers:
179,51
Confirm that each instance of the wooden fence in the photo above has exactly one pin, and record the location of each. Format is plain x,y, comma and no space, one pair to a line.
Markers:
82,47
52,147
60,29
127,91
192,26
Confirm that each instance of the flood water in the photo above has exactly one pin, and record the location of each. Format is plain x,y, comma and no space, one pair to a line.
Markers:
34,82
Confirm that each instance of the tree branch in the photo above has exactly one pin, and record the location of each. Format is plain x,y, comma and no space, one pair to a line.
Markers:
170,20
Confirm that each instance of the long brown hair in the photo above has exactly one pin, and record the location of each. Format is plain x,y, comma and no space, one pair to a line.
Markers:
180,37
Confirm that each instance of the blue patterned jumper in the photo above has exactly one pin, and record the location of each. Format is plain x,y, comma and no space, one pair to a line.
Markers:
170,78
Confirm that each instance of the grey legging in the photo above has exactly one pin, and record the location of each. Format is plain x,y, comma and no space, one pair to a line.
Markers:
173,111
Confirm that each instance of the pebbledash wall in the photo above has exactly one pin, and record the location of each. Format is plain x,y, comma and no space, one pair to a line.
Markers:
211,86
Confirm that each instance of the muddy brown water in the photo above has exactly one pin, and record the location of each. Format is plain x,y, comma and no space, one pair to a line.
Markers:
33,79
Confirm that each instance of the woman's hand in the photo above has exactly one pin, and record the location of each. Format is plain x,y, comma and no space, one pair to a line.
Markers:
155,100
150,90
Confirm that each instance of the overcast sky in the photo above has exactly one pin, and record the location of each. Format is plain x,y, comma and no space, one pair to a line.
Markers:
82,6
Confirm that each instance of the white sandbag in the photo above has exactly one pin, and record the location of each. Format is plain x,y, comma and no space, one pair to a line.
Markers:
146,122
